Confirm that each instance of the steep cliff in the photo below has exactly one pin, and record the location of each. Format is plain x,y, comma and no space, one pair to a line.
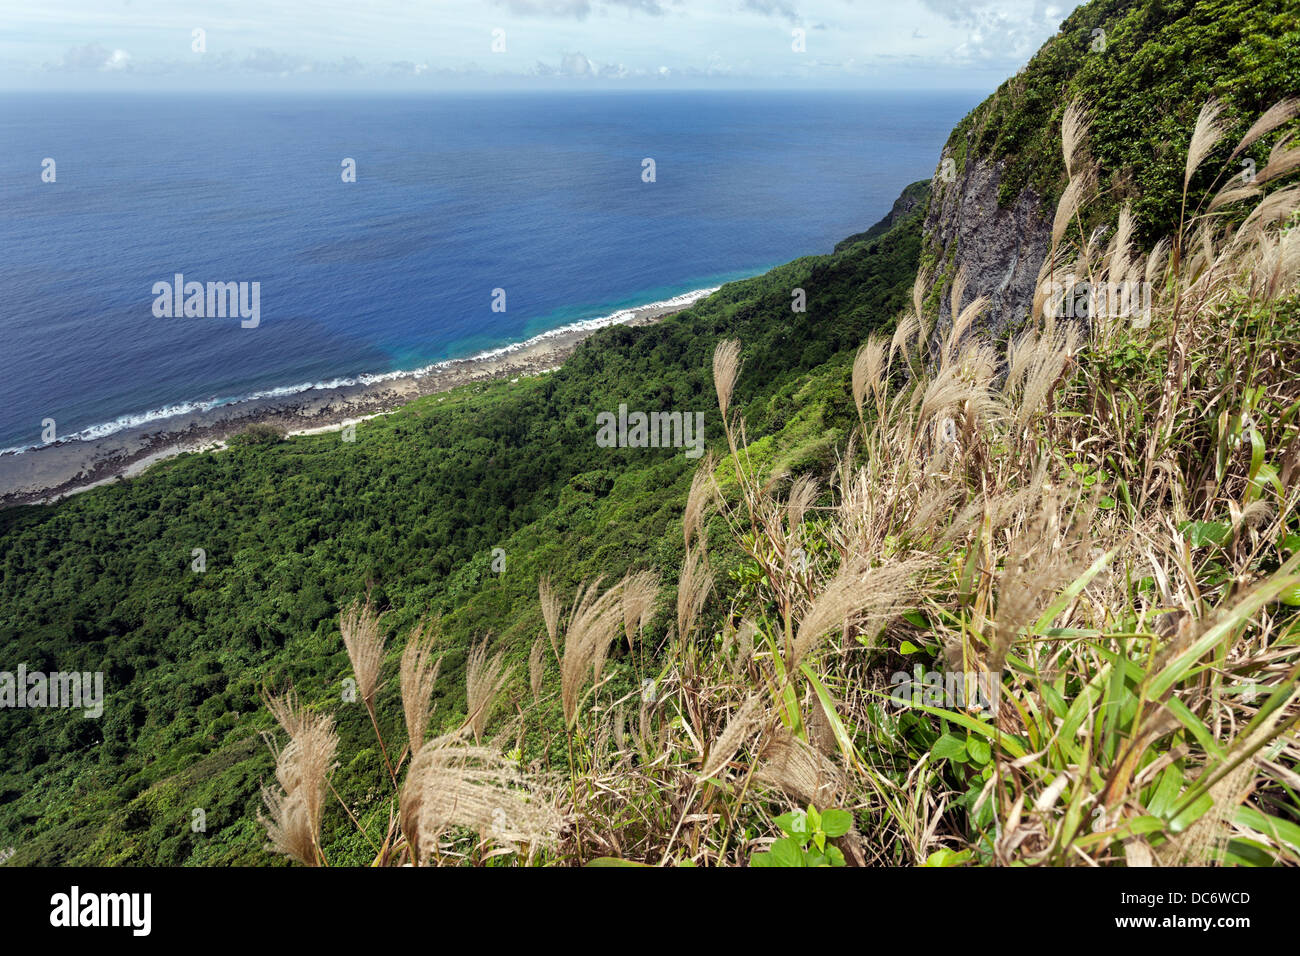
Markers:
1001,246
1144,68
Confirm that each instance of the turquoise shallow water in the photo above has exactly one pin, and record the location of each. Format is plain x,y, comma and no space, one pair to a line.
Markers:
539,195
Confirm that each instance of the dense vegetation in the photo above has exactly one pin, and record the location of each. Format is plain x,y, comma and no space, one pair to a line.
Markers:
1042,609
1100,522
410,512
1146,75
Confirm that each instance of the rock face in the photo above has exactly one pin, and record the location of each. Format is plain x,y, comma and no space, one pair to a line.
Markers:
1001,248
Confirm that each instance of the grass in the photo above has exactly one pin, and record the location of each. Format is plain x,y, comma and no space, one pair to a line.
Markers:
1085,548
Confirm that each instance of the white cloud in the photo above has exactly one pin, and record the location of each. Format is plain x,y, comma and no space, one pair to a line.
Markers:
92,56
575,64
972,43
578,9
998,29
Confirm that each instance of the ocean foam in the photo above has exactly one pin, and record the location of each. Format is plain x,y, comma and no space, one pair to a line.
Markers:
124,422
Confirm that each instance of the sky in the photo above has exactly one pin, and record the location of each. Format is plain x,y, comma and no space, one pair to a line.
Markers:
430,45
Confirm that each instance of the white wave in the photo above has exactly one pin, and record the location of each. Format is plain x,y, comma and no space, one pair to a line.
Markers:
123,422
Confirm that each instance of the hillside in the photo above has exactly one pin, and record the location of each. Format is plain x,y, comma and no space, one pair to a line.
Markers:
294,530
959,582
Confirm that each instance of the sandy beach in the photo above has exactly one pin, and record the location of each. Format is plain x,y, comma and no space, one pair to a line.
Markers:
45,474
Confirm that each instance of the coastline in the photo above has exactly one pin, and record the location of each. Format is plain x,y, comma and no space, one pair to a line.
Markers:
49,473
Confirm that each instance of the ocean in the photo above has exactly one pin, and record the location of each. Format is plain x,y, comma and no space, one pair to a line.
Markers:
475,221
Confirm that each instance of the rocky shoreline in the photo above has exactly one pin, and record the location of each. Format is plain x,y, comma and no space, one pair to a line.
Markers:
46,474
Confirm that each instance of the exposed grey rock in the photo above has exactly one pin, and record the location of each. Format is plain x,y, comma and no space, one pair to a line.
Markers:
1001,248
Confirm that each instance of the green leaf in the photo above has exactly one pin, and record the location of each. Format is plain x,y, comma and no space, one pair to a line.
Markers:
787,852
1274,827
836,823
1227,621
1166,791
1189,814
795,824
615,861
1246,853
979,749
1256,453
949,747
832,717
946,857
1075,588
1201,534
1193,723
1267,475
1010,744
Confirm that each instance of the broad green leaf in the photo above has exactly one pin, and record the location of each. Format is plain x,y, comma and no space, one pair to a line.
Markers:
1247,853
1201,534
786,853
949,747
836,823
794,823
1010,744
1191,813
979,749
1193,723
1166,791
947,857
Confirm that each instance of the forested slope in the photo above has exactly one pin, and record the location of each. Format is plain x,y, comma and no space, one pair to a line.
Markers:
294,530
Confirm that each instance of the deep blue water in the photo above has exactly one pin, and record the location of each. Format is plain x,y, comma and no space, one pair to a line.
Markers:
538,194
